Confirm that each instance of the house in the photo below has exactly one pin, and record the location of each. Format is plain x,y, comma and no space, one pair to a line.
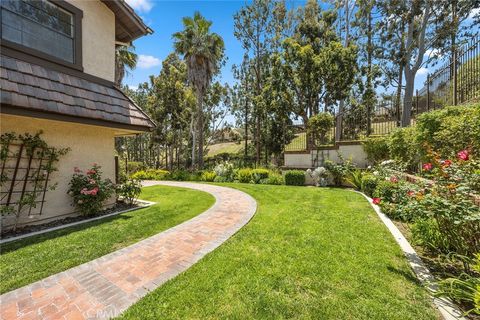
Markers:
57,76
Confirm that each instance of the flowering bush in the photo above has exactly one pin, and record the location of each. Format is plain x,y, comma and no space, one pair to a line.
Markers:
89,191
130,190
319,176
225,172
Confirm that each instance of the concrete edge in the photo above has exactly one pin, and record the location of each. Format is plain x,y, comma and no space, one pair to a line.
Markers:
445,306
144,203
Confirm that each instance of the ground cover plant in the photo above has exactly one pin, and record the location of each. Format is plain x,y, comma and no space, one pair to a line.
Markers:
34,258
307,253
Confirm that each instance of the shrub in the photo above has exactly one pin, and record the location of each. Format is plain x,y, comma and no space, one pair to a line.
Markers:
376,149
338,171
208,176
403,146
295,178
259,175
89,191
369,184
130,190
274,178
134,166
226,171
179,175
450,129
150,174
244,175
319,126
319,176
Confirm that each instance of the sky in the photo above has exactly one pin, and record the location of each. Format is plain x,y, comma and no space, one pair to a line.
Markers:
165,18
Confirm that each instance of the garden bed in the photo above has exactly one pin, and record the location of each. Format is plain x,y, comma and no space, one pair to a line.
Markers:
118,208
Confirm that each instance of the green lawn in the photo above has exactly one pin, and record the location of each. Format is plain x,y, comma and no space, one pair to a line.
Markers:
225,147
308,253
25,261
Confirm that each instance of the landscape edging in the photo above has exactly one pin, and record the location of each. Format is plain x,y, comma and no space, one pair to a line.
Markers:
445,306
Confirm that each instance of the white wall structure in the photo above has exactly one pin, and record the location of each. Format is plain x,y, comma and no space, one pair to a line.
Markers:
315,158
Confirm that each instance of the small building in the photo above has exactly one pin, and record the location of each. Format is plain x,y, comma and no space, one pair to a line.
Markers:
57,70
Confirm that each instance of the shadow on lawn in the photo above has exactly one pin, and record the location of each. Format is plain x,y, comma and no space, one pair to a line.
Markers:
22,243
405,274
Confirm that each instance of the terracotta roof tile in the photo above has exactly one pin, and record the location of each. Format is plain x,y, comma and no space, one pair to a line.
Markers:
30,86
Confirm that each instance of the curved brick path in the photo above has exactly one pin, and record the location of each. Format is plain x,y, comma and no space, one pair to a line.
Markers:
106,286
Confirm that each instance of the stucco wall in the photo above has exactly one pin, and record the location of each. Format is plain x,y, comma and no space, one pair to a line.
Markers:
88,144
98,34
304,160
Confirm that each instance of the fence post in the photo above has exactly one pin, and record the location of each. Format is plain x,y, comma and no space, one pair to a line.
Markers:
455,86
428,92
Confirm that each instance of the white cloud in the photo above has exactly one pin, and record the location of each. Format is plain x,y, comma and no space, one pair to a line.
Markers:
432,53
132,87
422,71
473,13
146,62
141,5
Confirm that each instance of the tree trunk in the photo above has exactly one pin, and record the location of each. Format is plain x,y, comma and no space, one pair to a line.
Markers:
200,128
408,97
193,131
246,129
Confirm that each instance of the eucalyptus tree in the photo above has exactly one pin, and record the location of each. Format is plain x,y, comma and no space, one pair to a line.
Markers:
254,26
316,66
203,52
125,57
423,26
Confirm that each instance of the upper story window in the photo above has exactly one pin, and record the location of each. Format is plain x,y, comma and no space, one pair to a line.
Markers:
50,29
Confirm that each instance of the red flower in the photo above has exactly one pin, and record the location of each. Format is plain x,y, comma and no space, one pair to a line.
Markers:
463,155
90,172
427,166
446,163
411,193
376,200
393,179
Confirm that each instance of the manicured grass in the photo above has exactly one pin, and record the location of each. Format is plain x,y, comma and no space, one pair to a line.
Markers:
225,147
26,261
308,253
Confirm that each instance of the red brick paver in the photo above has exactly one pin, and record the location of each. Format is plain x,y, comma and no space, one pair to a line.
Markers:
106,286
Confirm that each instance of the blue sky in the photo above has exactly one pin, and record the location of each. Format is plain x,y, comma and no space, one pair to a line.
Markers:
165,18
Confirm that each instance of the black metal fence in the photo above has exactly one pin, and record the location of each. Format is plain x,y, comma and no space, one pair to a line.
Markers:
456,82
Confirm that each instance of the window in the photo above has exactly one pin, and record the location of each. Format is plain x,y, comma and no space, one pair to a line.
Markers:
47,27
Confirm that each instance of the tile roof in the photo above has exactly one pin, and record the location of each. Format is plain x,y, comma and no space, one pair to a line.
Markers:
29,86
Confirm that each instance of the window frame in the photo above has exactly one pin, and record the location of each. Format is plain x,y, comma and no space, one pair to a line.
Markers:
77,39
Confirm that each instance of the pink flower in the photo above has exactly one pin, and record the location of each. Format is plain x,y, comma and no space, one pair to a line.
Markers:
410,193
393,179
84,191
76,170
427,166
94,191
463,155
376,200
90,172
446,163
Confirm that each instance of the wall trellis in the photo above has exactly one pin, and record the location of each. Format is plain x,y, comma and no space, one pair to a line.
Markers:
26,166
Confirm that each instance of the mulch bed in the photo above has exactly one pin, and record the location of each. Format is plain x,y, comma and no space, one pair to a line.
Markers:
119,206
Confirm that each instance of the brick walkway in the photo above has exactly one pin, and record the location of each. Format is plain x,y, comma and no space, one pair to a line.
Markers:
106,286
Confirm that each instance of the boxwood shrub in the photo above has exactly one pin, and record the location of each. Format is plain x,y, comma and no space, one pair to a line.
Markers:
295,178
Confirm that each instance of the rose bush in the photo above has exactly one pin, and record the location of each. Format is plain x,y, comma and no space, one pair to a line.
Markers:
89,191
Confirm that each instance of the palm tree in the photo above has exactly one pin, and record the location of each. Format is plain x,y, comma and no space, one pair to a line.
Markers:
203,53
124,58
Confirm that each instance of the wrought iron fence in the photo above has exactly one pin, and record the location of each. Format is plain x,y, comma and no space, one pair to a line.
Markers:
456,82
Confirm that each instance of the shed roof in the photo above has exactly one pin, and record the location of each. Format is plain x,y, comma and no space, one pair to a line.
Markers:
29,88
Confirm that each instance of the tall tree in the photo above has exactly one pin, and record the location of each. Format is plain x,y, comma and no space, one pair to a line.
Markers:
203,52
125,57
